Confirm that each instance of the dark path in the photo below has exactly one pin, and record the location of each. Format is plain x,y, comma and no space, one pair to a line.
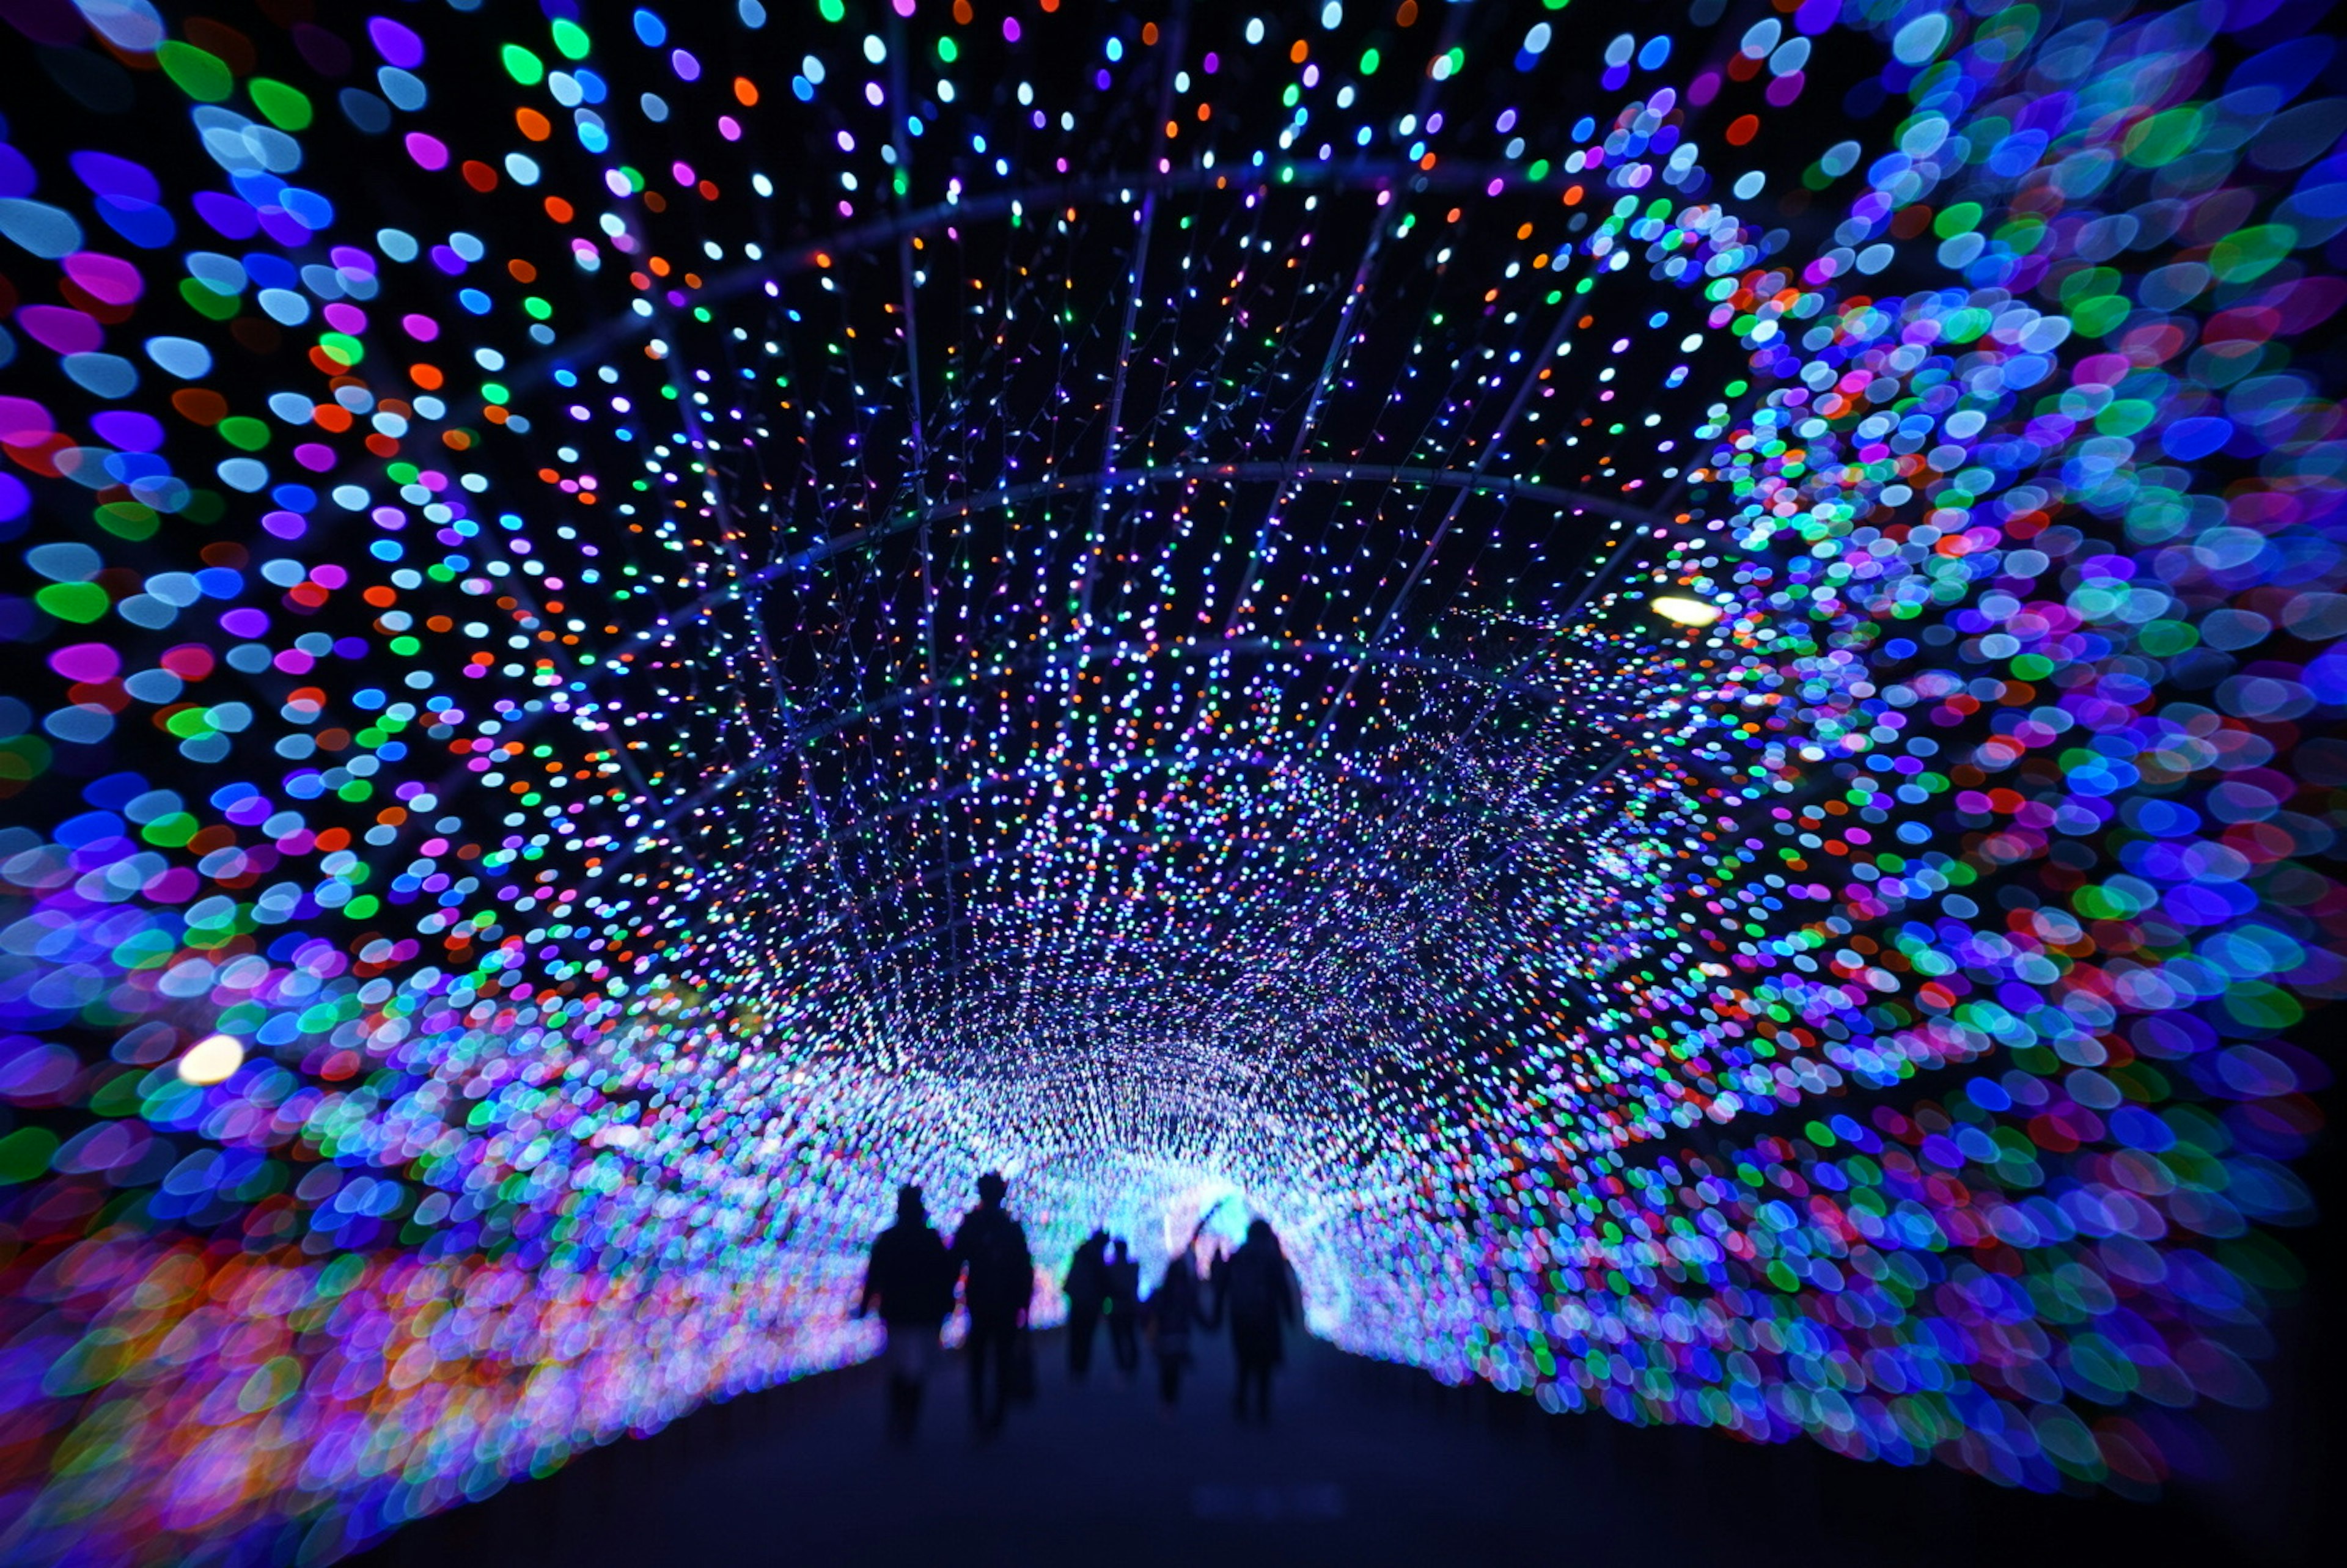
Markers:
1364,1463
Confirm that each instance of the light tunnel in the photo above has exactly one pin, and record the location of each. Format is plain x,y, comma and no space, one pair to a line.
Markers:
1666,677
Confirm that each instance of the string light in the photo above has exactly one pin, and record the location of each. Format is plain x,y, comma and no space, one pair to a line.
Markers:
1705,780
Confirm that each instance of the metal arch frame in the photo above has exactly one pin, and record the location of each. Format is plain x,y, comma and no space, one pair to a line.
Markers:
1061,655
1000,781
1266,471
874,234
878,232
1358,174
1256,472
622,326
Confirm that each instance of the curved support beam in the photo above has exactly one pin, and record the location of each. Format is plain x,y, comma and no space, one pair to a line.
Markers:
1065,655
1266,472
879,233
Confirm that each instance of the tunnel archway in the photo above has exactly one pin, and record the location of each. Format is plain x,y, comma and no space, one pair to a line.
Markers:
1676,693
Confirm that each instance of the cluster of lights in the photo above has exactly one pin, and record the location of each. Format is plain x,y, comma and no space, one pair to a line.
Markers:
1665,689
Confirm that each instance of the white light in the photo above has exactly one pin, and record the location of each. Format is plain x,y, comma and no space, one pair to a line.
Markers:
211,1058
1686,611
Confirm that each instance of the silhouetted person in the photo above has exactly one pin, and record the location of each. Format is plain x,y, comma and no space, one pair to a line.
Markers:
1179,1304
1123,1307
911,1281
992,1247
1257,1290
1087,1291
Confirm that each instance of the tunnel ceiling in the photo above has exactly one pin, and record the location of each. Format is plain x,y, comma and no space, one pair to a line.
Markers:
1672,690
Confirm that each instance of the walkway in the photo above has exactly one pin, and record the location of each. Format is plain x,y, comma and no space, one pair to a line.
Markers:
1364,1464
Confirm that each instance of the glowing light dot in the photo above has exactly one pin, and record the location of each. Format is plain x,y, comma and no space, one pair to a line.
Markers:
1686,611
211,1059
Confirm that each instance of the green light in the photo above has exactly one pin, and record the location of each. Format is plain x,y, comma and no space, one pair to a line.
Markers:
831,10
202,77
287,109
948,51
572,39
1369,62
522,65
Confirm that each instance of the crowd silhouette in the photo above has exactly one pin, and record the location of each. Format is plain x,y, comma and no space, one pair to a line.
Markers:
915,1275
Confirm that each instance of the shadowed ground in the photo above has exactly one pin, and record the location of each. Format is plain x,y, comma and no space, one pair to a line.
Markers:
1364,1463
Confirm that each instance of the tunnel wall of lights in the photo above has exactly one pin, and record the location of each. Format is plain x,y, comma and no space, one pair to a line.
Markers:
1674,692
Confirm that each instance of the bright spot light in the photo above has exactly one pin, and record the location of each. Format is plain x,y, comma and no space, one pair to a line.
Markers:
211,1058
1687,611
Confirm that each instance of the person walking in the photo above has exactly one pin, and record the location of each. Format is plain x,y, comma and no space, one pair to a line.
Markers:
992,1248
910,1282
1123,1306
1258,1289
1179,1303
1087,1292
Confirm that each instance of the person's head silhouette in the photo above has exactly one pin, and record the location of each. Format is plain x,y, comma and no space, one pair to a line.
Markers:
909,1207
1261,1231
991,1188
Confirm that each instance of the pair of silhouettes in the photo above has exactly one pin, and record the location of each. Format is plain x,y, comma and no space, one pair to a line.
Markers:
1254,1286
910,1282
1104,1281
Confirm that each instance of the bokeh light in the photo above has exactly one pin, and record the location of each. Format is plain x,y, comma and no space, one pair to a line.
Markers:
1673,690
211,1059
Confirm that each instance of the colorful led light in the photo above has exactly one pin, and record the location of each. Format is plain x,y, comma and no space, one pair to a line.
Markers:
1674,692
